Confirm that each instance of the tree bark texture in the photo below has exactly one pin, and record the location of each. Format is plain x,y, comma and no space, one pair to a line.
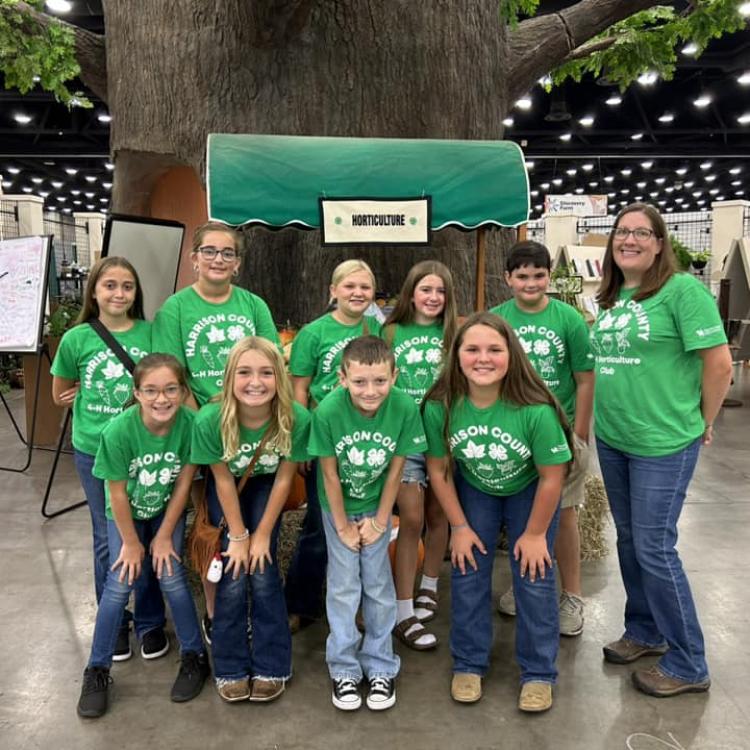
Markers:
180,69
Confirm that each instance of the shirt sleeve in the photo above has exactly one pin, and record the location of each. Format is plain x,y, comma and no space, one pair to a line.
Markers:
264,325
303,359
432,419
548,444
206,447
300,434
321,442
696,316
112,458
165,332
66,358
412,438
579,344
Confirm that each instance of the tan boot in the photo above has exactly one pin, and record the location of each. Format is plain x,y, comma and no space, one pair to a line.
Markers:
466,687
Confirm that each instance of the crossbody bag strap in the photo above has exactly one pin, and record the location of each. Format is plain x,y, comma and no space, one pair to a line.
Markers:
106,336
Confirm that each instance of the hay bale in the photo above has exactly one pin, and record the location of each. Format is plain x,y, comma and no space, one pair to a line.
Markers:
593,516
291,525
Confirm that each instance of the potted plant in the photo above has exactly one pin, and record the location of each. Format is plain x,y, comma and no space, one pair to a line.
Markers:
699,258
682,252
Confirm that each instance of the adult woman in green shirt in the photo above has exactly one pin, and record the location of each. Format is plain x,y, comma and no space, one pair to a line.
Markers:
662,370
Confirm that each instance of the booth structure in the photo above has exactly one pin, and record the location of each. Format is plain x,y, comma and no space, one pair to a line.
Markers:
279,181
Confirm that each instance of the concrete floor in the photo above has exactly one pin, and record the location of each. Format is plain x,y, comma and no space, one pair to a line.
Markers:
47,609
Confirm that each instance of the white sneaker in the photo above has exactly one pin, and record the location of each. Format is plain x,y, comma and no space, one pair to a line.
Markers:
571,614
506,604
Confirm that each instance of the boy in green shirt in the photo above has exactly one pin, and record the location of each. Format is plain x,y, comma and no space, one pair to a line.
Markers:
362,433
556,341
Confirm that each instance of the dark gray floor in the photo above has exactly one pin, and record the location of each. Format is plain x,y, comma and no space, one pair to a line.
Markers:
47,609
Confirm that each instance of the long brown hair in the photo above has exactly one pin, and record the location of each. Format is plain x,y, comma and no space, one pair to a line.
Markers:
521,386
90,307
655,277
282,409
403,311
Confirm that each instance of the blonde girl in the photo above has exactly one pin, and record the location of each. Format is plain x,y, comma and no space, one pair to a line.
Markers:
199,324
144,457
420,328
314,364
253,425
88,376
491,417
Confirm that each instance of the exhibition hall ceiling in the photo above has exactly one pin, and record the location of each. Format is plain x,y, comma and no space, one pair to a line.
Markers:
682,143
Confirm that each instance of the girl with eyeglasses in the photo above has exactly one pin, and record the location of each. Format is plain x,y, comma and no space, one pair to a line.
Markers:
662,370
201,323
144,458
91,379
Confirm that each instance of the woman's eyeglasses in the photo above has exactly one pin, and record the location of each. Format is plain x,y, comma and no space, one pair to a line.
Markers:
641,233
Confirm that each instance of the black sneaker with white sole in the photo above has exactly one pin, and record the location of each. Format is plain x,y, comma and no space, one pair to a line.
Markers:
154,644
345,694
94,692
382,693
122,647
194,670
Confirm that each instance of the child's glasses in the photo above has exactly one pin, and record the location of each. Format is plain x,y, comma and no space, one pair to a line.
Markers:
151,394
209,252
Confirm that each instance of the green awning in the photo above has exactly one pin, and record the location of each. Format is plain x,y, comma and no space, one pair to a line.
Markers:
277,180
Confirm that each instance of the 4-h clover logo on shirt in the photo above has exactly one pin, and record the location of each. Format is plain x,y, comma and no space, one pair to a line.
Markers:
498,452
165,476
269,459
235,333
433,356
376,457
541,346
413,356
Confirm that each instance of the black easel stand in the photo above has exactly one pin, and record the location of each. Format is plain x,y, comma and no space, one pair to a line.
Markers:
52,471
30,442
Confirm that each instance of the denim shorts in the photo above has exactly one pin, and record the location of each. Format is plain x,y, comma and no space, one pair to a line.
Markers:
415,469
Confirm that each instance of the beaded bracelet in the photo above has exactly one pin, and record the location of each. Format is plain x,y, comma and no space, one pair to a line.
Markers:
239,537
375,525
458,526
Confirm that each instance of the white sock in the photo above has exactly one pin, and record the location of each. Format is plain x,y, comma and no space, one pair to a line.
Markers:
404,609
429,583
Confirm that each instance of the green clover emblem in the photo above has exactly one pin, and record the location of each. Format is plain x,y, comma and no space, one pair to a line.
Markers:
337,220
413,221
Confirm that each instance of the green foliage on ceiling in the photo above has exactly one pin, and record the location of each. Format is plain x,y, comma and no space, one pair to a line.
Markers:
650,41
30,50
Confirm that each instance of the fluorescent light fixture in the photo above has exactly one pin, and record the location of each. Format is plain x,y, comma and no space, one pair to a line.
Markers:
534,193
697,193
647,164
679,200
639,198
611,195
557,181
545,186
529,166
613,100
6,184
107,185
744,9
713,191
706,165
700,202
579,190
709,177
636,136
57,184
736,183
653,195
739,192
566,136
744,119
61,198
571,171
587,121
626,172
90,178
744,79
37,180
681,171
71,171
36,79
76,203
660,180
667,117
104,117
733,170
594,184
648,78
13,170
103,200
44,194
587,167
75,192
59,6
641,184
689,184
26,189
669,189
690,49
508,122
21,118
524,102
89,195
625,191
719,198
702,101
108,165
90,206
609,178
670,209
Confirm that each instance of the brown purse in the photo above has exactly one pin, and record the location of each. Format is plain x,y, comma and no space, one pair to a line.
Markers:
204,539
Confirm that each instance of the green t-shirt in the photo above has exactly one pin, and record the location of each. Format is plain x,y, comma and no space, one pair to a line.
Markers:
317,348
364,446
200,333
556,341
419,355
149,463
648,370
208,447
105,383
499,447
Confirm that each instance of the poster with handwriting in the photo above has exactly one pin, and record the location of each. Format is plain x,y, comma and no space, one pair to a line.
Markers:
23,287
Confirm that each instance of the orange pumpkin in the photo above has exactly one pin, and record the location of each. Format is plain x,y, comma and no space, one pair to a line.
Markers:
296,493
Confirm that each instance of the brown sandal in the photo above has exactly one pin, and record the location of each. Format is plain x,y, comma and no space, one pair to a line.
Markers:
430,602
401,631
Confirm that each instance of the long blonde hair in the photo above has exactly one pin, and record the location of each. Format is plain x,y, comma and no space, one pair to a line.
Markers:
279,431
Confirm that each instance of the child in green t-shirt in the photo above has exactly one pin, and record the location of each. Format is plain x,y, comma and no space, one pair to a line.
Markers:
556,340
362,433
253,436
89,377
314,364
418,330
491,416
144,457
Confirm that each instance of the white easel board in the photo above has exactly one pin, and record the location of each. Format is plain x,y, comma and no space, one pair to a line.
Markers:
24,264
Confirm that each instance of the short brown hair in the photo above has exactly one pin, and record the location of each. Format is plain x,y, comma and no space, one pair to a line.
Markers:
217,226
367,350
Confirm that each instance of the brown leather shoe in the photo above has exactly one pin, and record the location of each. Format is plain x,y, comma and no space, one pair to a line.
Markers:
653,681
265,691
626,651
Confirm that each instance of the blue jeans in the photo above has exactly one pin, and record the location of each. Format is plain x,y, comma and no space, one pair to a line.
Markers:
646,496
270,655
307,571
149,604
353,577
537,620
115,595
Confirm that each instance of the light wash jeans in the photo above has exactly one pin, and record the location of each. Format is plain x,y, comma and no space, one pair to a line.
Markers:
646,495
363,576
